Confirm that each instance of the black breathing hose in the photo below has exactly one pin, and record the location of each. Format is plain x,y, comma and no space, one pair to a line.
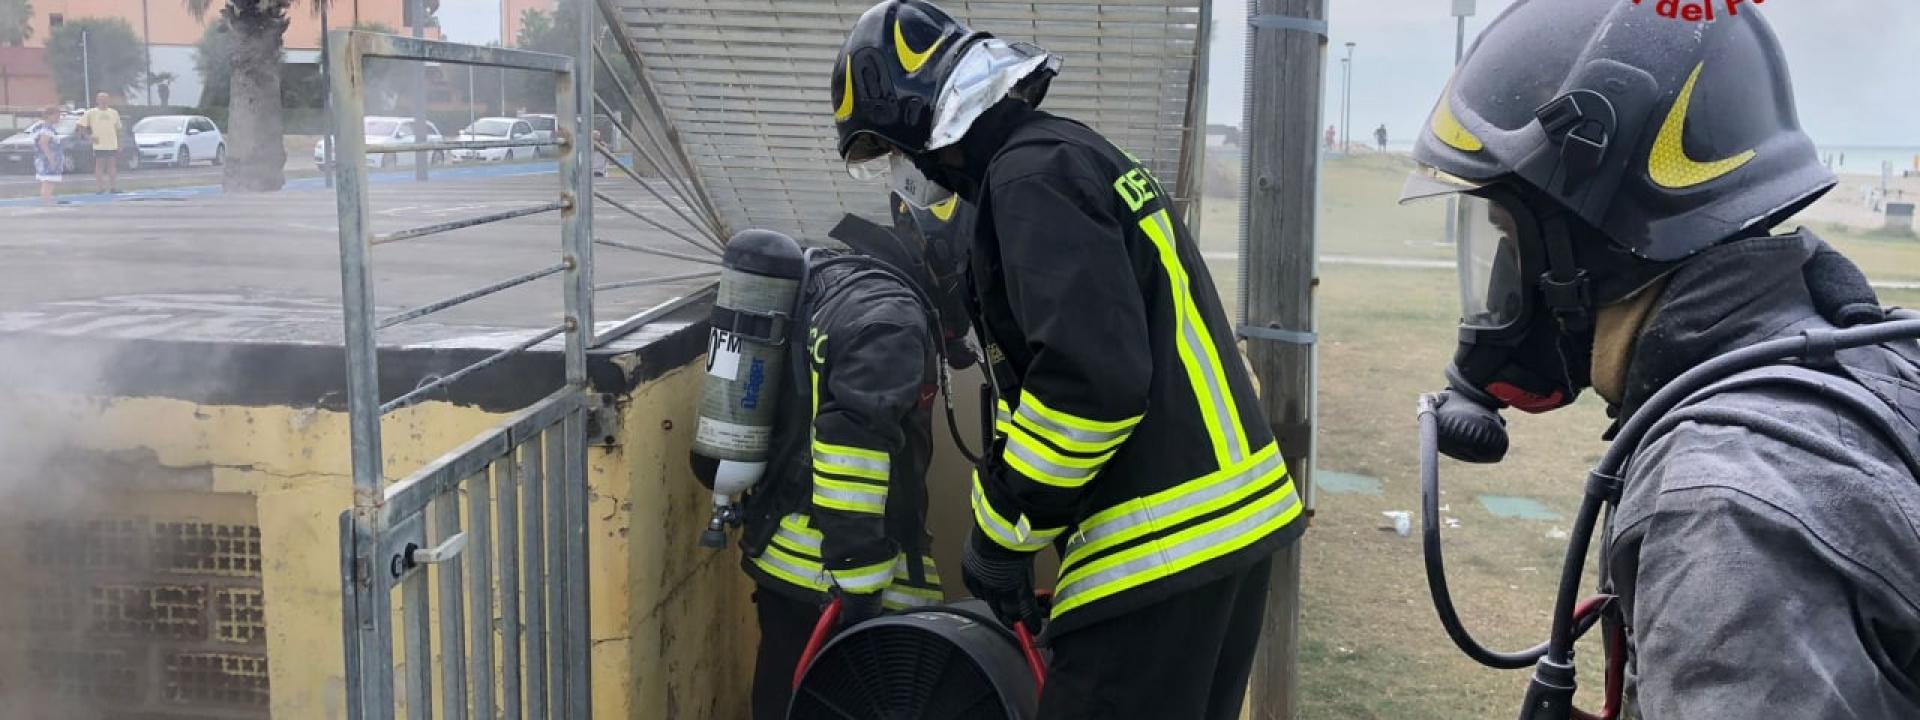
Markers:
1604,480
1436,563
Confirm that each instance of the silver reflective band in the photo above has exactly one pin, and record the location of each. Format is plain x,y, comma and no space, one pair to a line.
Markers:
867,581
1020,536
1174,555
1146,516
876,498
875,468
816,578
896,599
1090,437
1053,470
1209,371
797,540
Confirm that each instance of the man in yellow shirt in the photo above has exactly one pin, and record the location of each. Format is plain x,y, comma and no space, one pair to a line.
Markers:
103,128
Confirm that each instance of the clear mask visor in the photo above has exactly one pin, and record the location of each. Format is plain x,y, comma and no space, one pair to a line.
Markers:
1492,289
905,180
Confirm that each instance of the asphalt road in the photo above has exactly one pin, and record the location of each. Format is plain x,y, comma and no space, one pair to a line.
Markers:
197,264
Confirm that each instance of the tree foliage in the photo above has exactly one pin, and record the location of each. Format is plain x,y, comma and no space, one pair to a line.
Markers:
113,62
558,32
16,21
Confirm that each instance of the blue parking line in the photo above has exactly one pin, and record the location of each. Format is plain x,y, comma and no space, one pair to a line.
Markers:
382,177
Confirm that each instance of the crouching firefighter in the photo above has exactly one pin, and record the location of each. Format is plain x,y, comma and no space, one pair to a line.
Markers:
1131,437
842,511
1627,174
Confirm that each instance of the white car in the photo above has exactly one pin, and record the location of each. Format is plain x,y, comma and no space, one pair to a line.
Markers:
381,130
496,128
179,140
543,127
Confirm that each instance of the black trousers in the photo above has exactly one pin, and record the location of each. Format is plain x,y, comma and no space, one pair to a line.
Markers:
1184,658
785,626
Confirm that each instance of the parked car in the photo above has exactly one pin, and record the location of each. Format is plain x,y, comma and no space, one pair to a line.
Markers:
16,152
381,130
179,140
496,128
543,127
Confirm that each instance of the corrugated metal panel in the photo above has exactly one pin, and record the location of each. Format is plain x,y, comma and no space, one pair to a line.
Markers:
745,82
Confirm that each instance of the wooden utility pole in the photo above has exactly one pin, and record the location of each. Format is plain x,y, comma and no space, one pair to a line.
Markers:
1286,61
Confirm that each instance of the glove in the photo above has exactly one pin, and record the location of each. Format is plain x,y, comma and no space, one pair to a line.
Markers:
856,608
1003,579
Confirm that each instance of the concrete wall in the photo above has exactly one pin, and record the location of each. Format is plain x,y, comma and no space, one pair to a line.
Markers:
671,624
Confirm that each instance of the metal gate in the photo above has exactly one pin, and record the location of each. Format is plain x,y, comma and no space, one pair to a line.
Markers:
523,483
493,608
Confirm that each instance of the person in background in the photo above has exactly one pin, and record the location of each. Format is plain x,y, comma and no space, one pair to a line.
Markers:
1380,136
48,161
102,125
1332,136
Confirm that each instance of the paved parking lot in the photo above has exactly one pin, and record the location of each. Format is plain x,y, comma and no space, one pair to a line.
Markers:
195,264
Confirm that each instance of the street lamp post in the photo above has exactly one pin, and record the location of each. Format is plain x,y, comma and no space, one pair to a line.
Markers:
1346,103
1456,220
326,98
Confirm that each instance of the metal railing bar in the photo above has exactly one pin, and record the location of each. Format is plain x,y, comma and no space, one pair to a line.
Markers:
534,580
426,230
558,632
642,318
411,494
666,169
658,112
489,361
418,644
453,621
643,282
508,494
395,47
398,148
479,591
579,658
469,296
666,174
644,185
709,259
711,244
611,14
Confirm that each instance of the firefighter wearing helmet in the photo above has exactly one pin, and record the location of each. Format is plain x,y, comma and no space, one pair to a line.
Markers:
842,512
1627,173
1129,435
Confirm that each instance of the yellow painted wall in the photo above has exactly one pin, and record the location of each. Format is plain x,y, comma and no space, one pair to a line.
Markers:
671,623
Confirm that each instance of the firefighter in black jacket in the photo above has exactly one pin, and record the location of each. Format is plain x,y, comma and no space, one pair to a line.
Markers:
843,511
1131,437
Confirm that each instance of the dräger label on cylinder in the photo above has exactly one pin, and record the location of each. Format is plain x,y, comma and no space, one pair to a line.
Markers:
723,435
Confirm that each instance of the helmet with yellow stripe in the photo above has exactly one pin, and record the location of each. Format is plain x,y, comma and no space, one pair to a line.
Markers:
911,78
1666,136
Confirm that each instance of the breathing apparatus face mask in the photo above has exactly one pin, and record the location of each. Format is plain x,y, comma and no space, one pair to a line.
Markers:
1518,346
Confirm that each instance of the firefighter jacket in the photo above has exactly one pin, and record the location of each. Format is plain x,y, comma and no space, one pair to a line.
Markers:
843,504
1130,434
1764,546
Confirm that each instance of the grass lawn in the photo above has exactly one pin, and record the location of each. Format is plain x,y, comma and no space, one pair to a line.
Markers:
1372,647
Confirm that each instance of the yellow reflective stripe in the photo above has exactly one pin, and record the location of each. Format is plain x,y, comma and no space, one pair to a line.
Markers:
800,525
851,461
1131,519
1012,535
897,599
1039,463
791,568
1002,417
1166,556
1046,424
1031,402
1197,354
848,495
864,579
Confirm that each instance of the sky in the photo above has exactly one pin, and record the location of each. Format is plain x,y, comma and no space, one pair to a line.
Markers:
1854,63
475,22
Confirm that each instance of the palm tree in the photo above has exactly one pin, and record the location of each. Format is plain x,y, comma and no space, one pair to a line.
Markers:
16,21
256,153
